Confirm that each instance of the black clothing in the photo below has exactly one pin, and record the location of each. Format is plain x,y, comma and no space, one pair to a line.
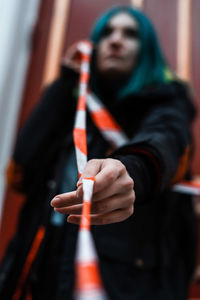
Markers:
146,255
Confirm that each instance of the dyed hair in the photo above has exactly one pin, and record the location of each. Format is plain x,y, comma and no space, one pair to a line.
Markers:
151,67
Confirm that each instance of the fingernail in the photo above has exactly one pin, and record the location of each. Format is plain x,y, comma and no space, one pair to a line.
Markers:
71,219
53,200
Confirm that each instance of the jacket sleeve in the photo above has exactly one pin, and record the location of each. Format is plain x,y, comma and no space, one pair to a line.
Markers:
159,153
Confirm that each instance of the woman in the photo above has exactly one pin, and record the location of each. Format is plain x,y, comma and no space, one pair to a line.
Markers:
142,254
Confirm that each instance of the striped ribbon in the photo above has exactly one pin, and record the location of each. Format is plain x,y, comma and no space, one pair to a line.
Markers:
88,284
88,280
187,187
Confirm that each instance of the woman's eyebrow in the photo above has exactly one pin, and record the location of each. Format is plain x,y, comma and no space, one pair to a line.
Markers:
133,27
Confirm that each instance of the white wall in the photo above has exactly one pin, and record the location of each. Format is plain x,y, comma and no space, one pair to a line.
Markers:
17,19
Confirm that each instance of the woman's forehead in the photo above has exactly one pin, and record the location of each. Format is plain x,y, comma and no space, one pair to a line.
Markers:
123,19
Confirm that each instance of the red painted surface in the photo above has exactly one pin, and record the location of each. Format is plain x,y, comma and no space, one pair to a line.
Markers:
34,76
83,15
163,15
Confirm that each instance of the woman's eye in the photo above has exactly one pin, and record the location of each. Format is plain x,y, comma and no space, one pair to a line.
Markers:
133,33
107,31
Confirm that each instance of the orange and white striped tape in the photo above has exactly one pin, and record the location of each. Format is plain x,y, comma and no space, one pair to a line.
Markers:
88,281
187,187
88,284
108,127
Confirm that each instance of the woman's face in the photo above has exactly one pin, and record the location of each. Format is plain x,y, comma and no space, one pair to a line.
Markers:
118,49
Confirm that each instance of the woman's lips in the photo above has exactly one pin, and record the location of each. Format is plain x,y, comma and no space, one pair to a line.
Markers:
115,56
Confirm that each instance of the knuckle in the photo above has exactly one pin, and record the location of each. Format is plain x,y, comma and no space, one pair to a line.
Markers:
111,176
92,161
129,184
108,160
131,199
116,163
129,212
122,167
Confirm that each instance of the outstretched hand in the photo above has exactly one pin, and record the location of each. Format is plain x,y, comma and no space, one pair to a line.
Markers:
113,195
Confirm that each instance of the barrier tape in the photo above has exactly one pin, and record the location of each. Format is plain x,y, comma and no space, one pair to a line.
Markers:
88,284
187,187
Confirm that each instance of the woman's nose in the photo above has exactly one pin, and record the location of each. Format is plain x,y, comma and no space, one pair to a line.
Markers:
116,37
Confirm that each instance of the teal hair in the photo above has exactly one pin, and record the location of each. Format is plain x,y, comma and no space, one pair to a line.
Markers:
151,67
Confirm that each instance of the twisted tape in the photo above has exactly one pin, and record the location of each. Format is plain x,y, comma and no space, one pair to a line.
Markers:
88,283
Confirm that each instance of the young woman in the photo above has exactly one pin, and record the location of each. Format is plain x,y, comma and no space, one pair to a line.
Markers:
146,235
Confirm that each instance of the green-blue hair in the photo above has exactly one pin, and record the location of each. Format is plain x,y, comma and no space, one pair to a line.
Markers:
151,66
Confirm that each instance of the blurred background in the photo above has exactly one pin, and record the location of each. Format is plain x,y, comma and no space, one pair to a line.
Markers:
34,35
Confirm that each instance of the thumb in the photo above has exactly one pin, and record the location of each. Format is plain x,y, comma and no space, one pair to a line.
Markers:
92,168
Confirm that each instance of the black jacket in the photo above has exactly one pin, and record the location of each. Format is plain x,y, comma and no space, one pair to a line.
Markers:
141,257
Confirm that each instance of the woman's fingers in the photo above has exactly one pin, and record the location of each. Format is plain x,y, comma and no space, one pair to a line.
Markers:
123,185
113,197
104,206
112,203
66,199
105,171
103,219
74,209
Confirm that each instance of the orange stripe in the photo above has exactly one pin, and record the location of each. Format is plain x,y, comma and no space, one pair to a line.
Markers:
90,178
85,218
191,184
87,276
81,103
104,120
80,140
85,57
29,260
183,165
84,77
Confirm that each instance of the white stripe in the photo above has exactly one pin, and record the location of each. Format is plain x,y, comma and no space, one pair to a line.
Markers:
87,189
93,103
85,248
82,89
84,67
180,188
81,160
84,48
115,137
80,119
90,294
